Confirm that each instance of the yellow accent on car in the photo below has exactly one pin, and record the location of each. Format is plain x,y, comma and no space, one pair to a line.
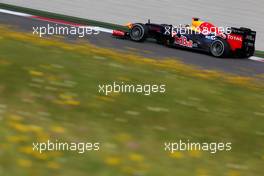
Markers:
129,25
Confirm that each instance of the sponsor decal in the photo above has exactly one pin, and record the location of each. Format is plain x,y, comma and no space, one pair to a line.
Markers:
235,41
118,33
183,41
250,37
223,36
213,37
235,37
210,37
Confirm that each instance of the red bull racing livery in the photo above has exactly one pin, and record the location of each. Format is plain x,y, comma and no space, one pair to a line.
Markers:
200,35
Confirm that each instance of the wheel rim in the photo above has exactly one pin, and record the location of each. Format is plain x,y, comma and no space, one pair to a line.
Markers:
136,33
217,48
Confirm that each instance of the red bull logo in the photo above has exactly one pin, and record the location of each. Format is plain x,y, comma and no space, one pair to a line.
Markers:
183,41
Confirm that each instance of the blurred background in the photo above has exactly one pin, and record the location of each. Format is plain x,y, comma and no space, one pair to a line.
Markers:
49,91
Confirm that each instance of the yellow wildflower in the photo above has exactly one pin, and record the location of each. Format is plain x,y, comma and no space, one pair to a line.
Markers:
17,139
53,165
105,98
136,157
234,173
24,162
66,96
176,155
195,153
124,137
72,102
113,161
35,128
52,78
123,78
19,127
27,150
36,73
40,156
57,129
43,137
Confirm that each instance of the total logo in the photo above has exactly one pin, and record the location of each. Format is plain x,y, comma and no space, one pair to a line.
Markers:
183,41
234,37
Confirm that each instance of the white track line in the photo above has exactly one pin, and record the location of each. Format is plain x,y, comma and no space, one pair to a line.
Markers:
254,58
61,22
15,13
103,29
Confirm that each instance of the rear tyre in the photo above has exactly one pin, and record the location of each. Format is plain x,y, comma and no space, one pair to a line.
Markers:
138,32
219,48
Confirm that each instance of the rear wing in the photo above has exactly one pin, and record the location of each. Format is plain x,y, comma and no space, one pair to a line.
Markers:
242,41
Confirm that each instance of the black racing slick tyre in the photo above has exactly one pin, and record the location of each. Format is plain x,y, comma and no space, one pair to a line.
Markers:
138,32
219,48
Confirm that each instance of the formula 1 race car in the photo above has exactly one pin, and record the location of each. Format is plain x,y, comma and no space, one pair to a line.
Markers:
200,35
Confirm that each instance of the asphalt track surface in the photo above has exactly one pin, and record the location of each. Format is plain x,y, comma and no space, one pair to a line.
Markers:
243,67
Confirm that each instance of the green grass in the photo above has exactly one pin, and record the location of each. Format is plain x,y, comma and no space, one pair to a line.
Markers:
52,93
259,54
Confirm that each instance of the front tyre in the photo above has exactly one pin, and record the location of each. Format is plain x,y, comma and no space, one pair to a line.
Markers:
138,32
219,48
